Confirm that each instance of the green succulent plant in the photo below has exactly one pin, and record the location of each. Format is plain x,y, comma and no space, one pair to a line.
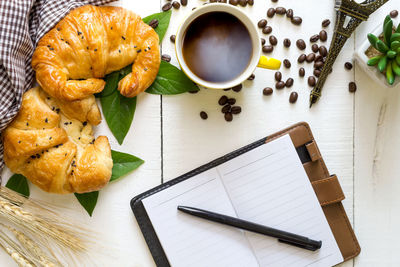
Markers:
388,62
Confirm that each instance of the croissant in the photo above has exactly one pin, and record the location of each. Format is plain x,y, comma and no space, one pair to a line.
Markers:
89,43
52,144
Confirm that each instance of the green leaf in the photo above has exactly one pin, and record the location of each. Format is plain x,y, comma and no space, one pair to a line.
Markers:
391,54
123,164
398,28
396,67
395,45
163,22
387,30
382,63
88,200
398,59
381,46
395,37
374,60
112,80
171,81
389,74
19,184
387,19
372,39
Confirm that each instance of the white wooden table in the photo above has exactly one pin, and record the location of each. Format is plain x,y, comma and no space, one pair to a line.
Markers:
169,135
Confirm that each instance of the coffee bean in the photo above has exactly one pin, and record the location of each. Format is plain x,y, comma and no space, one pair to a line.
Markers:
287,63
262,41
227,89
153,23
268,91
262,23
271,12
251,77
301,58
172,38
237,88
323,36
231,101
289,82
319,58
314,48
325,23
222,1
301,44
250,2
287,42
312,81
280,10
193,92
275,1
267,48
352,87
323,51
302,72
234,2
228,116
223,100
166,7
314,38
211,1
243,2
184,2
348,65
236,110
226,108
293,97
203,115
318,64
289,13
279,85
317,72
166,57
394,14
176,4
278,76
273,40
310,57
297,20
267,30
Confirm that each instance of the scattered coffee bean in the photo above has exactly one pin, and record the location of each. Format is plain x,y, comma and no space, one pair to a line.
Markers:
267,48
317,73
212,1
193,92
323,51
275,1
325,23
286,63
227,89
262,41
301,44
301,58
234,2
243,2
287,42
278,76
318,64
319,58
153,23
348,65
268,91
176,4
289,82
312,81
251,77
236,110
250,2
272,40
172,38
222,1
262,23
289,13
297,20
231,101
166,57
271,12
352,87
310,57
280,85
184,2
280,10
228,116
394,14
314,48
226,108
267,30
302,72
314,38
293,97
237,88
166,7
223,100
323,36
203,115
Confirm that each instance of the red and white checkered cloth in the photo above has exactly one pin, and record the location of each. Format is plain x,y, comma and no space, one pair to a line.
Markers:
22,24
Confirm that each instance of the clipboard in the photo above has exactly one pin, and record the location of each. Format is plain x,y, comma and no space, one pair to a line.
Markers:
326,187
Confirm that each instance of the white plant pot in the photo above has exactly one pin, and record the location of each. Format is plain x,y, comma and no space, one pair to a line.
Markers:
372,71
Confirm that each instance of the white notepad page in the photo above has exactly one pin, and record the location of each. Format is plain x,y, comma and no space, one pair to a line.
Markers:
266,185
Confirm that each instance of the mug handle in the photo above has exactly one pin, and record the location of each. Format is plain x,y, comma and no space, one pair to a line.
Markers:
269,63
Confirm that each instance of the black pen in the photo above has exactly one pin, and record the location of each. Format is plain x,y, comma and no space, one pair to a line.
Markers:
284,237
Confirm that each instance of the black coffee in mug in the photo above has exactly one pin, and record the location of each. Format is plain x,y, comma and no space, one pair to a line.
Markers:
217,47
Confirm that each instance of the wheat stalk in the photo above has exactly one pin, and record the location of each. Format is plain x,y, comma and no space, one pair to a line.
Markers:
14,251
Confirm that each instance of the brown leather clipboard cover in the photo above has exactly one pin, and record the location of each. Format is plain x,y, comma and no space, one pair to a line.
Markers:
326,187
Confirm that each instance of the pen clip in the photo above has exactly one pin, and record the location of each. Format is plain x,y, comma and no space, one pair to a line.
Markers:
305,246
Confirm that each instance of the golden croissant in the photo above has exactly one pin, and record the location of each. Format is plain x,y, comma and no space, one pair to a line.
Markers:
89,43
51,143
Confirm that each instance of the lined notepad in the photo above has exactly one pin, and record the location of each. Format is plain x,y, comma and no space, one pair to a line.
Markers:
266,185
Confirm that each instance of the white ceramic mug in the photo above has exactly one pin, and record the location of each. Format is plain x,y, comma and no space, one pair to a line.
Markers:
256,60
